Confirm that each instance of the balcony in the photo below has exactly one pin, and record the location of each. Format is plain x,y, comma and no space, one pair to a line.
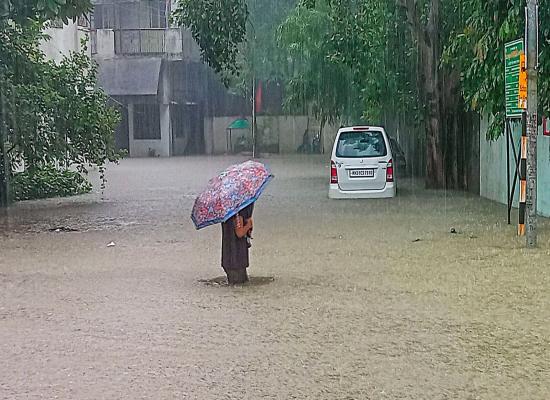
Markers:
141,41
171,42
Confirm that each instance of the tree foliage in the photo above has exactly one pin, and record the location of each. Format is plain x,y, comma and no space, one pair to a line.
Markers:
316,80
219,27
51,114
46,182
262,53
426,63
25,11
368,37
477,49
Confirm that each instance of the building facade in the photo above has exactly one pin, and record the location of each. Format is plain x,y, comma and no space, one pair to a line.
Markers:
63,39
153,73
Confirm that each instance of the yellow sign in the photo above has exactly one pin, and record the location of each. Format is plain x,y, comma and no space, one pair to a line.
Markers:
522,102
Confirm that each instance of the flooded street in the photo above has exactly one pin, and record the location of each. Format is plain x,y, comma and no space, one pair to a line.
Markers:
372,299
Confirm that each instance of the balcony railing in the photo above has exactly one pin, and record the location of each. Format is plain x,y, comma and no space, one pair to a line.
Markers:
173,43
140,41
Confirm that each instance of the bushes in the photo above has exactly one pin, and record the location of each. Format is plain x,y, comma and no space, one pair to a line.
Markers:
52,113
46,182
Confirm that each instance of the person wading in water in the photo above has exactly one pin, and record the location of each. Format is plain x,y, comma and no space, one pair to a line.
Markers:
236,235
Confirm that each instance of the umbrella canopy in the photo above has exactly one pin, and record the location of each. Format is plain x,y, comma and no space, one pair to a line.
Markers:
239,124
233,190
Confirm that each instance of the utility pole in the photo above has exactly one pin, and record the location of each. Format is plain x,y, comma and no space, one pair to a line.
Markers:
3,175
532,120
4,161
254,116
253,64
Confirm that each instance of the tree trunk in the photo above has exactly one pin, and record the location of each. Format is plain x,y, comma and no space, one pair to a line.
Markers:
427,38
321,139
435,170
431,53
455,152
466,148
453,112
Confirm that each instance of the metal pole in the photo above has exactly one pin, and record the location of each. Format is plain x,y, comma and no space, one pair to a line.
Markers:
517,163
4,160
253,65
4,175
523,176
254,117
532,121
508,171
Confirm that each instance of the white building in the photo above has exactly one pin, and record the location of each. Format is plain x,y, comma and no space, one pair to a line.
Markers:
64,39
170,102
154,74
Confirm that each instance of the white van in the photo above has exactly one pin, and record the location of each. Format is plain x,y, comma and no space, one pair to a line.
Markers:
361,164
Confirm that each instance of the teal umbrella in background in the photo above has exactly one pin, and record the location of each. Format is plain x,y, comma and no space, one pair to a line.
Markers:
238,124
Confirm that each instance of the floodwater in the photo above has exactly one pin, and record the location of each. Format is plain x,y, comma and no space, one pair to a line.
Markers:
370,299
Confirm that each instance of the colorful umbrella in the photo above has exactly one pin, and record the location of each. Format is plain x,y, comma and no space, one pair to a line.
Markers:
233,190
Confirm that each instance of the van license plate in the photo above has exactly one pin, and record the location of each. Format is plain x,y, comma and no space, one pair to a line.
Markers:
361,173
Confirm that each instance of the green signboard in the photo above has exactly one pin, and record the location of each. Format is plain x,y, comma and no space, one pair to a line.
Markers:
512,55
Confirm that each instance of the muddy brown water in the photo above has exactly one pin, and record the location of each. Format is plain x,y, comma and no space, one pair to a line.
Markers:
370,299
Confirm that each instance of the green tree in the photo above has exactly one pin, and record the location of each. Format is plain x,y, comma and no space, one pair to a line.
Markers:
477,49
262,53
28,11
431,63
242,47
315,75
392,54
235,35
219,27
50,114
57,115
366,60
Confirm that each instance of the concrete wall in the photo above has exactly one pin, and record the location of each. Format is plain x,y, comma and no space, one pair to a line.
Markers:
215,134
191,50
105,43
290,131
179,44
165,131
173,42
63,41
282,132
493,177
209,136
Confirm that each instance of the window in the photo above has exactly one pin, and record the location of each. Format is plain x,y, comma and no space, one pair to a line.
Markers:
104,16
153,14
146,122
361,145
145,14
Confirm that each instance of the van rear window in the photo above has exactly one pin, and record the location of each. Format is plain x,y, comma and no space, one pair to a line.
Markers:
361,145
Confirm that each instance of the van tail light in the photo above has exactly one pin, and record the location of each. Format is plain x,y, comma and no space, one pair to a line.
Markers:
333,173
389,171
